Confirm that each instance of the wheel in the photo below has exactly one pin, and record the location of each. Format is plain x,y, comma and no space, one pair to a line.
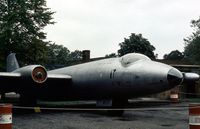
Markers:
3,96
115,112
27,100
118,104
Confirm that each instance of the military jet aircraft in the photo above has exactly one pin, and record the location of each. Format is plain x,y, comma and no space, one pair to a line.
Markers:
117,79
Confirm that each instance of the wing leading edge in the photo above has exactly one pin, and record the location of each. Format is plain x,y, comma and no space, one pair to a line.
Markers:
12,82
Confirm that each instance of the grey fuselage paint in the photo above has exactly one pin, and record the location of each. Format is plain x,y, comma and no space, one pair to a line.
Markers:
108,78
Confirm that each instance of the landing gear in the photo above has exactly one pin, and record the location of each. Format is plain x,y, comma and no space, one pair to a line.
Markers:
118,106
27,100
115,112
115,106
3,96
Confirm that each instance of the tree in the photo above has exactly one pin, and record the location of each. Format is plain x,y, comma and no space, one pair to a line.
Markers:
76,55
174,55
60,56
192,43
37,53
136,43
57,55
21,29
111,55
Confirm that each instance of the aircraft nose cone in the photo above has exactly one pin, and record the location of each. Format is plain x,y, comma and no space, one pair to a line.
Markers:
174,77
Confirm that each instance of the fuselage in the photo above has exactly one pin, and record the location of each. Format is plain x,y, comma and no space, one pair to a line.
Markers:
129,76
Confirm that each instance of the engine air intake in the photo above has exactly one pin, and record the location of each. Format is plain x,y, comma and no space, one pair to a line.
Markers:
39,74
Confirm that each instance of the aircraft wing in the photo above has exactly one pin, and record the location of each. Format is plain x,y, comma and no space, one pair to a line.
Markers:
14,81
7,80
59,76
32,80
6,75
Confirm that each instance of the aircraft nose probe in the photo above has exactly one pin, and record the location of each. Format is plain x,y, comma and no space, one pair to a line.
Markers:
174,77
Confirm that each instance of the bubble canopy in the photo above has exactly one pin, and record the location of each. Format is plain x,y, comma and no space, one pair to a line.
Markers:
132,57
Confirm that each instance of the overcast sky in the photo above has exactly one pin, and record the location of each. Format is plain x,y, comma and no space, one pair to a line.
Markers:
100,25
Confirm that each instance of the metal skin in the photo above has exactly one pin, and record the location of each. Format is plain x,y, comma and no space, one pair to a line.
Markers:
132,75
129,76
191,76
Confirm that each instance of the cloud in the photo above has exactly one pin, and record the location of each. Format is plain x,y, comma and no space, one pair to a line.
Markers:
100,25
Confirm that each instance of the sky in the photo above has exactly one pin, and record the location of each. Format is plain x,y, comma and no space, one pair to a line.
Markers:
100,25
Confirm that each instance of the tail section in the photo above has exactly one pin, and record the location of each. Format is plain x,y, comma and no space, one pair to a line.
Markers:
12,63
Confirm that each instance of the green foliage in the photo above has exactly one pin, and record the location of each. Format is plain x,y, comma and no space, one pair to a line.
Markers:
57,55
192,50
174,55
21,29
60,56
111,55
192,43
76,55
136,43
37,52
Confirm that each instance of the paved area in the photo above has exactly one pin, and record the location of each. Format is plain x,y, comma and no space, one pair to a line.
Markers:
164,116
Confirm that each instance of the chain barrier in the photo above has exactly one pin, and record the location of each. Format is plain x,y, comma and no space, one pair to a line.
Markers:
142,108
105,109
188,93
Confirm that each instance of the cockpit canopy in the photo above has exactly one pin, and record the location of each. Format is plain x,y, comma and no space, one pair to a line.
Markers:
131,58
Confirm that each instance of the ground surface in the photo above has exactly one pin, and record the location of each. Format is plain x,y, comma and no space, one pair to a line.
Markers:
159,116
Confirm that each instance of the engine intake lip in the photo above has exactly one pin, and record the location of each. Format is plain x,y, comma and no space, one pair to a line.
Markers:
39,74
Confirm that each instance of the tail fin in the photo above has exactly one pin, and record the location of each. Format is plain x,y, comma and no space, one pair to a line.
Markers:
12,63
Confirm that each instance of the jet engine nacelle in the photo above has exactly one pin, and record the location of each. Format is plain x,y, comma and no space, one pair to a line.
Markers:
37,73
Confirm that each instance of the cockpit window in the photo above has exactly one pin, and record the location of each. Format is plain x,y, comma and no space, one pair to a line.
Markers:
132,57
